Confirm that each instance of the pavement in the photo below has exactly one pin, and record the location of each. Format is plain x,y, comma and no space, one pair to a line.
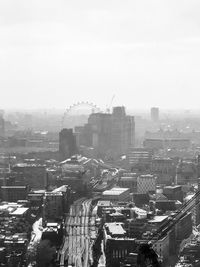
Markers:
75,251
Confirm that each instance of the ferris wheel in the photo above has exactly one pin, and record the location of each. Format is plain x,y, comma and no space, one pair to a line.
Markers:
79,108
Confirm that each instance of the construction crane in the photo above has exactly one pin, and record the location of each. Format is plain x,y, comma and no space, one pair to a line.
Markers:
146,254
108,108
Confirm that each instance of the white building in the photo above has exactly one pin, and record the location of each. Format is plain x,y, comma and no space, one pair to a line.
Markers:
116,194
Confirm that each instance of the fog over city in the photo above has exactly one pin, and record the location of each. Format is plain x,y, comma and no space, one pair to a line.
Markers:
99,133
55,53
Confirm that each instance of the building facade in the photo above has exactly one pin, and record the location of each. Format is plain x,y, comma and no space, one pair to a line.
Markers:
109,134
67,144
116,244
14,193
146,183
53,206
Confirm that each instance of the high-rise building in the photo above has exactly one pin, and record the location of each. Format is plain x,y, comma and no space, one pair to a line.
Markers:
111,134
123,131
100,125
56,203
67,144
155,114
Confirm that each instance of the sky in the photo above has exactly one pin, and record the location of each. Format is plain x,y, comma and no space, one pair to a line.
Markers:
54,53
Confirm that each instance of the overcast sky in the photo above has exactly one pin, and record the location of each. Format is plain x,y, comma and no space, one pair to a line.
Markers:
55,53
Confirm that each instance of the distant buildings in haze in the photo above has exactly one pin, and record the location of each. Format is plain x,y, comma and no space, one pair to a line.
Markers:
109,134
155,114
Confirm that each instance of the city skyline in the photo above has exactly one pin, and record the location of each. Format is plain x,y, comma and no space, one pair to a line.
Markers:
57,53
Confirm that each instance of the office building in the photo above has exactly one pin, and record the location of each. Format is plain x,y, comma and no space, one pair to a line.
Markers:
146,183
109,134
166,143
117,245
32,174
53,206
129,182
116,194
173,192
140,158
67,144
56,203
14,193
123,131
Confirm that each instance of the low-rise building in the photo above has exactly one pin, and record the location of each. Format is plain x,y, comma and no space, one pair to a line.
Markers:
166,205
136,227
14,193
116,194
164,143
156,222
102,204
164,169
129,182
117,245
54,233
33,173
146,183
173,192
140,158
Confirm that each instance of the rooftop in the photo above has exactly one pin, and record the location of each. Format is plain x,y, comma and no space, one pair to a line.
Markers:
105,203
47,194
9,206
172,186
115,191
14,187
52,224
115,229
147,176
28,165
19,211
42,191
124,178
62,188
158,219
163,159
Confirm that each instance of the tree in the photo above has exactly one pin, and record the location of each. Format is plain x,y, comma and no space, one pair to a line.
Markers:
31,253
45,253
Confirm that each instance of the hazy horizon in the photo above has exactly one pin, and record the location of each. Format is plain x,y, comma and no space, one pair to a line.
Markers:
56,53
